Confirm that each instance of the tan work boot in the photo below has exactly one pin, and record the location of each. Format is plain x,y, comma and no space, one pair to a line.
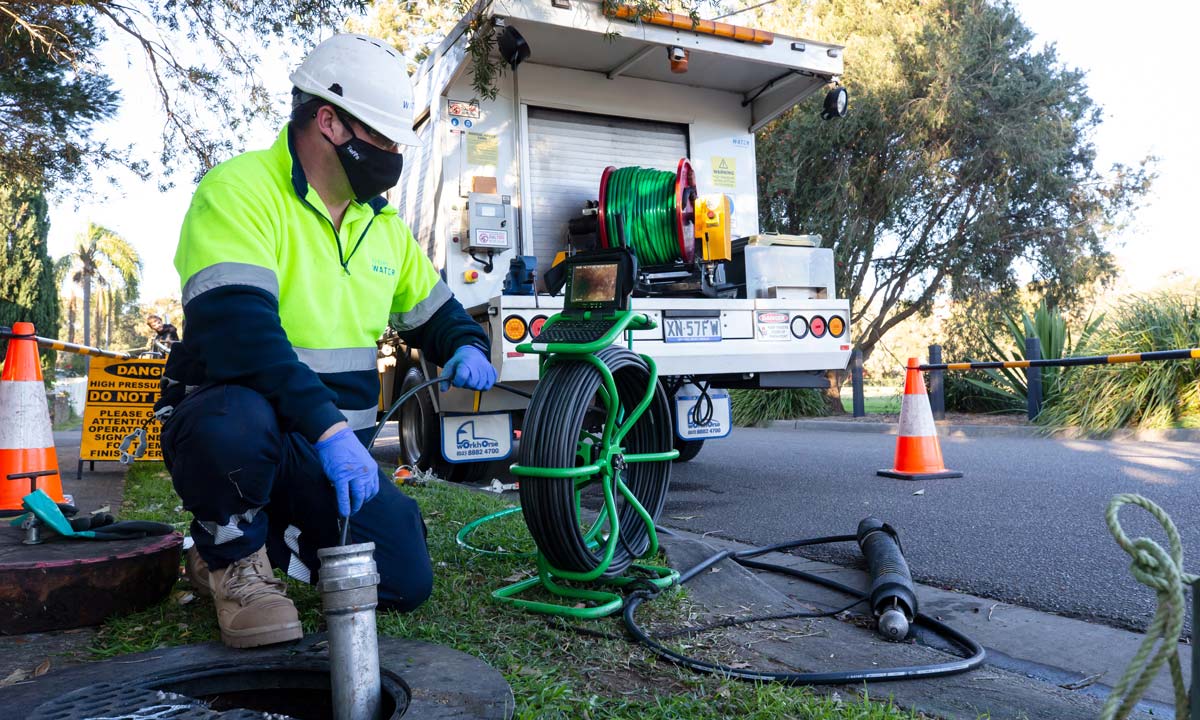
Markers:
252,608
196,572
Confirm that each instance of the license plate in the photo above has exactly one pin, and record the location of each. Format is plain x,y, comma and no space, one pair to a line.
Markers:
692,329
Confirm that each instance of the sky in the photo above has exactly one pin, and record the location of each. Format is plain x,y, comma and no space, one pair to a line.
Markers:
1139,62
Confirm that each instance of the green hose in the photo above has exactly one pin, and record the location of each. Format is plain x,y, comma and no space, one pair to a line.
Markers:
463,536
645,199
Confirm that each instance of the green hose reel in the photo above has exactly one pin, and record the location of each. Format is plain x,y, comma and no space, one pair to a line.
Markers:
659,211
598,418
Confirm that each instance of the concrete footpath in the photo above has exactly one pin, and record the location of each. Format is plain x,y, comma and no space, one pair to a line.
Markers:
1038,665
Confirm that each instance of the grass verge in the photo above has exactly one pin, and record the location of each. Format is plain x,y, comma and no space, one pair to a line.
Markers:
877,399
557,669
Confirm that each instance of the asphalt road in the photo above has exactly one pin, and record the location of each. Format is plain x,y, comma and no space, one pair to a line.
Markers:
1025,525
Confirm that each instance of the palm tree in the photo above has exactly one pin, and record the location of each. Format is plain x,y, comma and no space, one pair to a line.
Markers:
102,257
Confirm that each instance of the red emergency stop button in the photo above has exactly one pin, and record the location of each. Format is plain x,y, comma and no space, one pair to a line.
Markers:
470,276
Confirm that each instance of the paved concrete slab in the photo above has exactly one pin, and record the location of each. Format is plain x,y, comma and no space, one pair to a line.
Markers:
1024,526
1039,666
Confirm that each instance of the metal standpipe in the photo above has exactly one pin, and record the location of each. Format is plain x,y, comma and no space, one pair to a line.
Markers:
349,594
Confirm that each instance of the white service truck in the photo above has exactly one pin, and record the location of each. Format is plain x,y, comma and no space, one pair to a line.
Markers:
502,187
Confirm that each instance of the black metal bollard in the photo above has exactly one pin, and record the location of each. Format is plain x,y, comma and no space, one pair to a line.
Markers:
1033,377
856,382
937,384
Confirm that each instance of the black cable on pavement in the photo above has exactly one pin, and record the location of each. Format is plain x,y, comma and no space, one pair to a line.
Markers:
975,653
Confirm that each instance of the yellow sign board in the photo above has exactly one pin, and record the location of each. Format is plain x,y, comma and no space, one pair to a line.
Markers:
724,172
483,150
120,399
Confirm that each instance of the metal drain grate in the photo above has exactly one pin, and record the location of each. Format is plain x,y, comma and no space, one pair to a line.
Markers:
109,701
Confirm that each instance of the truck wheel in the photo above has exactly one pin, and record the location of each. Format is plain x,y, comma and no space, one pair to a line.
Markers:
419,433
688,449
421,437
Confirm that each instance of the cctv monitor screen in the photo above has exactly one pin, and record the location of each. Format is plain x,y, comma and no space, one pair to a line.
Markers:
596,283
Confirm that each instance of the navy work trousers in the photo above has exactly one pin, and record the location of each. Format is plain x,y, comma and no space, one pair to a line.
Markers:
247,484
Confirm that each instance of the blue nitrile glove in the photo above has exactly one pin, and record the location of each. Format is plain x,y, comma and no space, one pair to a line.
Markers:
470,369
351,469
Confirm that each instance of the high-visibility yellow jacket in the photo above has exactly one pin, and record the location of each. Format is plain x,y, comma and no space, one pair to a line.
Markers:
278,300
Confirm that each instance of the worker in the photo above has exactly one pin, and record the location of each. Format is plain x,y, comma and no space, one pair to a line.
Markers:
292,264
165,333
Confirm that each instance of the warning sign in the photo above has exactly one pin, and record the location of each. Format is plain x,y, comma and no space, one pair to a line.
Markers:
120,399
483,150
724,171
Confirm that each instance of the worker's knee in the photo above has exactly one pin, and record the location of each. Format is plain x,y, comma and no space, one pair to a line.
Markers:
405,593
225,421
392,521
224,437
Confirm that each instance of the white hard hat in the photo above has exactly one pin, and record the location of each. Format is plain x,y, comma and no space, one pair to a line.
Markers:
365,77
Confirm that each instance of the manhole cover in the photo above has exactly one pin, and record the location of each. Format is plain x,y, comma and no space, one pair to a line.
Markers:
233,691
120,702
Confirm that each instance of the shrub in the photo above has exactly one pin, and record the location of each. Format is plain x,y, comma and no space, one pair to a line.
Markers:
1008,389
758,407
963,395
1148,395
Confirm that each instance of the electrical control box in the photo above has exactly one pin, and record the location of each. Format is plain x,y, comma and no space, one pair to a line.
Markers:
490,223
714,214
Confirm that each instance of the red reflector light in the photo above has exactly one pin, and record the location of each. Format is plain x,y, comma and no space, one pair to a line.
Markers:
845,347
514,354
817,325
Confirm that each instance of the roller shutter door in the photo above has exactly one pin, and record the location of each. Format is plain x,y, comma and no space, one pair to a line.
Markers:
568,152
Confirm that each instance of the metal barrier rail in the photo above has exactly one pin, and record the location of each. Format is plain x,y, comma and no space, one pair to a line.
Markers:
1189,354
6,333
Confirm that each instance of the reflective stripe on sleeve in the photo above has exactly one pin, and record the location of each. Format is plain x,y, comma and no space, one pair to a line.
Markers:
338,360
360,419
230,273
422,311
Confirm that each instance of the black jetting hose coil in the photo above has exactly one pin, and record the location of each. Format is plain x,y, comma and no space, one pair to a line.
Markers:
550,438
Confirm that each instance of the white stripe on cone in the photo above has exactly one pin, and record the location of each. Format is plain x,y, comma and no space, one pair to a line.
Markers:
24,416
916,418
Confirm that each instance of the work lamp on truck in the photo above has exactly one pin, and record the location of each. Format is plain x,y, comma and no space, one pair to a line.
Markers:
837,101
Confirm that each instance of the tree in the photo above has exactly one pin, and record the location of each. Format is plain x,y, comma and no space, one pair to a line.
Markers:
103,258
48,106
966,156
200,61
28,292
414,27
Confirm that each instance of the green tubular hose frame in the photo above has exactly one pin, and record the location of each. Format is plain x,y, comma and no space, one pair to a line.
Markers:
609,460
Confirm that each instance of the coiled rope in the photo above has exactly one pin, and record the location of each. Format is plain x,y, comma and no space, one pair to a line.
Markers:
1162,572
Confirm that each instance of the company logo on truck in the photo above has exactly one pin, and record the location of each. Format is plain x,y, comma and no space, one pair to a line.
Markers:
465,439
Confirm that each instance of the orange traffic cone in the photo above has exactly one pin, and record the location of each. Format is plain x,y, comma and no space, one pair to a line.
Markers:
26,438
918,455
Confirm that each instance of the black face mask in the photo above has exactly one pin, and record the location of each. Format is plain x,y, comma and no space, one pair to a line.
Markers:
370,170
